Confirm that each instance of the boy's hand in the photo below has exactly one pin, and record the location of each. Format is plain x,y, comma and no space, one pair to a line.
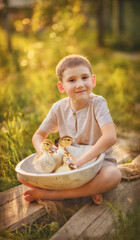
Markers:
74,161
73,158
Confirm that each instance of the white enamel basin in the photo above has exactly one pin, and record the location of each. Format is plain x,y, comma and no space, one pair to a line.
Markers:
64,180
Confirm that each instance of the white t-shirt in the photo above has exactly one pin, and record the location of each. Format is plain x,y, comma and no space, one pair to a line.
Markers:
83,125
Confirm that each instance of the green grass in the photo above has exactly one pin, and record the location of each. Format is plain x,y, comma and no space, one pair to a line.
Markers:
31,231
126,227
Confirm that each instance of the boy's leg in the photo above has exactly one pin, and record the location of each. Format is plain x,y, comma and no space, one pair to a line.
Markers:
108,178
97,198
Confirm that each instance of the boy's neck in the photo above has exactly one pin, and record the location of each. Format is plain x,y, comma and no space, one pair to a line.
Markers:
78,105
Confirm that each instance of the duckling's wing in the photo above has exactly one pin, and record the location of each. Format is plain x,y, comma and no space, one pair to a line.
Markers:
58,158
37,157
62,169
44,163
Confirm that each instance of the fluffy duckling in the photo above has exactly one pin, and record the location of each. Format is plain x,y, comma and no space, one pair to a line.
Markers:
62,144
67,165
44,162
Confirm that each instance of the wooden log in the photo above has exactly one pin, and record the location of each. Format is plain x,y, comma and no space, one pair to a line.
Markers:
18,212
11,194
15,211
93,222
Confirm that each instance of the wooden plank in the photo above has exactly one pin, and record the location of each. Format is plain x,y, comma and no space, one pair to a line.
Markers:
104,225
15,211
18,211
80,221
12,194
93,221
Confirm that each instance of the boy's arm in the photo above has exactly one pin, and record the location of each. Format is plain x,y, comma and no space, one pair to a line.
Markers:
38,138
107,140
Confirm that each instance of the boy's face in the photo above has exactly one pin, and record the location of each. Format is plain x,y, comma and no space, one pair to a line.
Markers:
77,82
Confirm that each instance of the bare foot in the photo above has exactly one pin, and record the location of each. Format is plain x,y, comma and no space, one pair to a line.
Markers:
97,198
34,194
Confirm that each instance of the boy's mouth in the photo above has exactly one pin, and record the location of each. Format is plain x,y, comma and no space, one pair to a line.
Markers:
81,91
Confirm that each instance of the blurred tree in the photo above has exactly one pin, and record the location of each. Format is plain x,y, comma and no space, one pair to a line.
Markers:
45,12
96,10
131,16
6,24
62,20
107,15
100,22
116,20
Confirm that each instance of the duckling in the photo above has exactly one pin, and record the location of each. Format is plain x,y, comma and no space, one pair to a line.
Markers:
67,165
44,162
63,142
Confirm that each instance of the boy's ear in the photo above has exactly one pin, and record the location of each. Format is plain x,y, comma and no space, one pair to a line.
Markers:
93,80
60,87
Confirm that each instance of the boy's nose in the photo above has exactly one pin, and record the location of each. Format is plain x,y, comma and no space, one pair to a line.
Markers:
79,84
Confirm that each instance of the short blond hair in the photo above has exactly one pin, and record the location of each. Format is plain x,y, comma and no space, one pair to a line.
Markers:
71,61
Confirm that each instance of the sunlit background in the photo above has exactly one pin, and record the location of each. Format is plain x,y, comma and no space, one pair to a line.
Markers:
34,36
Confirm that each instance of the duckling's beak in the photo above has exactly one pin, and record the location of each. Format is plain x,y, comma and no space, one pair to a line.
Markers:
75,144
54,148
68,160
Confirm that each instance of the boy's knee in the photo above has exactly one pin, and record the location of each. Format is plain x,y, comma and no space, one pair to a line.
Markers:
113,174
117,176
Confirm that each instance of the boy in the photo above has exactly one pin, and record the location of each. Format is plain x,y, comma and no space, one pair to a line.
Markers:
85,117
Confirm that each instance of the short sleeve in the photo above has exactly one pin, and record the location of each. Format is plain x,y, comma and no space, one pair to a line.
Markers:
102,114
50,122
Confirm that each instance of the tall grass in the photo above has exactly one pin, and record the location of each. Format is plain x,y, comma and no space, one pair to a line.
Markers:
125,226
13,148
32,231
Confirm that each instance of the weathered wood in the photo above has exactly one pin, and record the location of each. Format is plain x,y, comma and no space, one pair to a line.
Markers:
15,211
104,224
93,222
18,212
12,194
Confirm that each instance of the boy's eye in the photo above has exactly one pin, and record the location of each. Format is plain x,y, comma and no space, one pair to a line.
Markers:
85,77
71,80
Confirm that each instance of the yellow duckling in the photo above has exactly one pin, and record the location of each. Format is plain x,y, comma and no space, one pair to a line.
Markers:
62,144
67,165
44,162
